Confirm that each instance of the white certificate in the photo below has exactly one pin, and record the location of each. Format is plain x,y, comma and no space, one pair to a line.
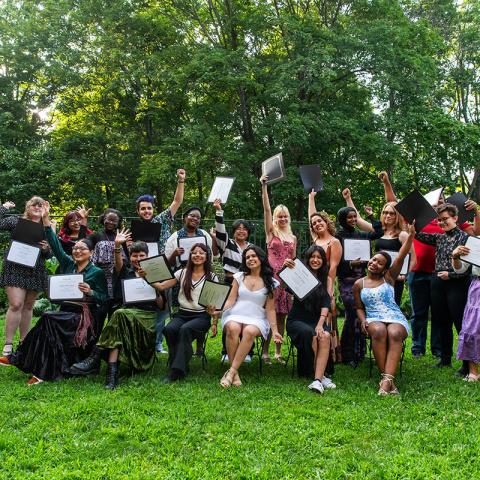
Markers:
473,243
406,261
187,243
214,293
354,249
156,268
23,254
221,189
65,287
152,249
137,290
299,279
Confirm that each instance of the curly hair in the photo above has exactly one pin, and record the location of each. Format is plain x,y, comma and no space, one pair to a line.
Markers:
266,271
326,218
207,268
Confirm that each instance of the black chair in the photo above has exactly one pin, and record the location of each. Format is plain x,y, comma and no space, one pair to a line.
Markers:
371,358
257,351
292,352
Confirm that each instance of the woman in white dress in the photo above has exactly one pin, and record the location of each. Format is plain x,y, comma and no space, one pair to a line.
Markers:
249,311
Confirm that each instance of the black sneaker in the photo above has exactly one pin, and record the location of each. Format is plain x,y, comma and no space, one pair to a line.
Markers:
442,364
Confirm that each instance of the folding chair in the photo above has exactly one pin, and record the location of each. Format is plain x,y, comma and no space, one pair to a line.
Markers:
371,358
292,352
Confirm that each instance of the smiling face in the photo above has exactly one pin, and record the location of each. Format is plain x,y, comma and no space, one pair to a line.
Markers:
352,219
251,259
110,223
318,224
80,252
193,219
446,221
136,257
240,234
377,264
74,224
389,215
315,261
198,256
282,219
35,210
145,210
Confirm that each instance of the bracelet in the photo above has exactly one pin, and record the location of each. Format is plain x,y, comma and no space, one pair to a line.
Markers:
180,181
119,249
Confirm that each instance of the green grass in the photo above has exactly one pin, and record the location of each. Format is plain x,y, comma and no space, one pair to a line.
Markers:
271,428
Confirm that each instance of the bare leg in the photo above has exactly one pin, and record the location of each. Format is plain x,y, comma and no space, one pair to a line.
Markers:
113,355
233,330
473,367
396,335
16,298
266,346
322,352
249,332
281,331
378,334
27,311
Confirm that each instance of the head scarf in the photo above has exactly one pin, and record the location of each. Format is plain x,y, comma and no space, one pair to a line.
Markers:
342,220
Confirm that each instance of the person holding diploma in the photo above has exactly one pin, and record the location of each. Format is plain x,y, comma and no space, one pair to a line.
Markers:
352,340
249,311
449,289
307,322
129,336
22,284
281,244
380,316
61,338
469,337
192,320
74,228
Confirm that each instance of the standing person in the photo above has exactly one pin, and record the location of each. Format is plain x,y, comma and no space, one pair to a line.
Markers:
380,316
231,250
74,228
448,289
249,311
145,212
281,244
307,323
61,338
352,340
192,320
323,231
22,284
469,337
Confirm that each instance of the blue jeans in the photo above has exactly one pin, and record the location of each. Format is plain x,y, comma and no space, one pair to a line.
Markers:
419,284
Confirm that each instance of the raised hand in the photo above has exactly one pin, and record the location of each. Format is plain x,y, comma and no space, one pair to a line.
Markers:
217,203
213,233
8,205
181,174
346,193
368,210
83,211
312,194
122,236
469,205
263,179
383,177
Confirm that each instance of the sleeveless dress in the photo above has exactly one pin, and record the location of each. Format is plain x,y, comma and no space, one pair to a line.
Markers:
394,245
278,251
380,305
249,308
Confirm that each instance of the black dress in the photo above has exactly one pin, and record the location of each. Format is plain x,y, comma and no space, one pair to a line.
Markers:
394,245
301,323
15,275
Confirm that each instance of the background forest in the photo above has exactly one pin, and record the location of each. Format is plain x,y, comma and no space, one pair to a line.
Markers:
101,100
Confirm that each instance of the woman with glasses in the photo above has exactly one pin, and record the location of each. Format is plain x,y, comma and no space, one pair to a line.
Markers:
22,284
62,338
74,228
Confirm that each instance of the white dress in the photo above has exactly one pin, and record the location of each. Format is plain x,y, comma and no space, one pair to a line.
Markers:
249,308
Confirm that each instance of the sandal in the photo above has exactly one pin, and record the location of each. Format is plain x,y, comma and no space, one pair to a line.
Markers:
236,382
389,378
34,381
471,377
226,380
266,359
280,359
7,349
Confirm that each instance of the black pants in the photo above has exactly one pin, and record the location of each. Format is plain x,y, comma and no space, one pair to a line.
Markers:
448,302
180,333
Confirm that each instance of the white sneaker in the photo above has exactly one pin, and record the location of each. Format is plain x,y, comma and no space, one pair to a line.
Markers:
248,359
159,349
327,383
316,386
225,359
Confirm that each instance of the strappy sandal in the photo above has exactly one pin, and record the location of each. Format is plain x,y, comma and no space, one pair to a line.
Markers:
266,359
236,382
471,377
226,380
389,378
7,349
280,359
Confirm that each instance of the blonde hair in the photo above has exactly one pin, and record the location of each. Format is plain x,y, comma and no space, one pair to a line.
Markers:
399,225
276,231
33,201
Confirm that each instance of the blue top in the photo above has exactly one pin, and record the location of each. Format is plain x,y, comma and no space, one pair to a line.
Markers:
380,304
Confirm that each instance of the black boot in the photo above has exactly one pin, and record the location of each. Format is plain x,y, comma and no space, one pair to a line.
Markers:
111,379
89,366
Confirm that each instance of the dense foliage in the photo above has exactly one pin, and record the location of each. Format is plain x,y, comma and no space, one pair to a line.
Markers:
101,100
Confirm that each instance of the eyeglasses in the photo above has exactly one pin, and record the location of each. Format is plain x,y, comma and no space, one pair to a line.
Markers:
443,219
387,212
76,249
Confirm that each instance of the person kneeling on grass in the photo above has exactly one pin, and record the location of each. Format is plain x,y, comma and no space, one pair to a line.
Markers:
249,311
380,316
307,323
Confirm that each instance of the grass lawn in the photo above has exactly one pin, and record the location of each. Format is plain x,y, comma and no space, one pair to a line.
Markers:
271,428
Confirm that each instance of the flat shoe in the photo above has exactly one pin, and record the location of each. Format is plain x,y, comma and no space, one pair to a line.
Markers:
280,359
5,361
266,359
472,378
34,381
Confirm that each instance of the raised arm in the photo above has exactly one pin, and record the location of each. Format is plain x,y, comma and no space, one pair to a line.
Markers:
267,211
221,235
122,237
65,260
396,266
362,224
312,208
387,187
335,257
178,197
8,223
471,205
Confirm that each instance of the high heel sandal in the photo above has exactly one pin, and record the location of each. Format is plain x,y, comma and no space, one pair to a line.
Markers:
226,380
389,378
236,382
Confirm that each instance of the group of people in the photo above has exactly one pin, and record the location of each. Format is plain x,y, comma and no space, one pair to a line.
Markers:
73,340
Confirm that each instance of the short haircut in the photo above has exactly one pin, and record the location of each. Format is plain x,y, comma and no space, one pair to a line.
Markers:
452,210
191,209
241,221
138,247
101,218
387,257
145,198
